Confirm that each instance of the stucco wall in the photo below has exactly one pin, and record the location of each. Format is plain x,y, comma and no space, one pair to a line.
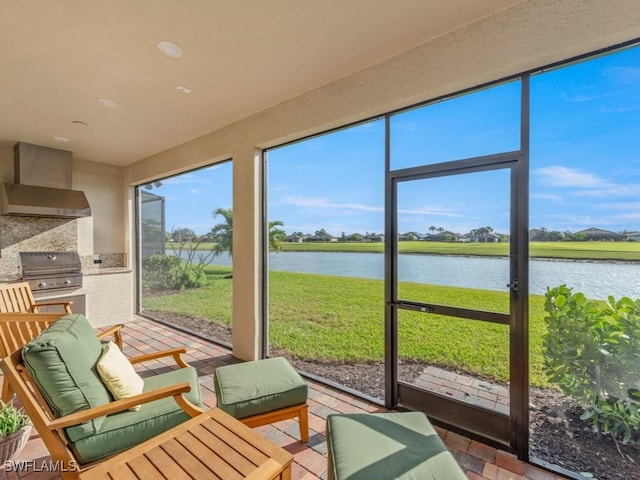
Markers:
527,36
103,185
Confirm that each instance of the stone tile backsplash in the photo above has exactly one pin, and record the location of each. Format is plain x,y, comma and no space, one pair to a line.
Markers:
29,234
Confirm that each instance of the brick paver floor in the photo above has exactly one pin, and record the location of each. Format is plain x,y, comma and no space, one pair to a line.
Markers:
480,462
465,388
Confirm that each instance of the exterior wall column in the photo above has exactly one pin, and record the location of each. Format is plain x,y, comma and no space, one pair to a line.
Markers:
247,260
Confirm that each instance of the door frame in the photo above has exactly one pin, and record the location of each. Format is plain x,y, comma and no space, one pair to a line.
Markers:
511,431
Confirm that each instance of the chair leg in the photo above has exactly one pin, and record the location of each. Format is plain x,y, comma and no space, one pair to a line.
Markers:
303,420
7,394
300,411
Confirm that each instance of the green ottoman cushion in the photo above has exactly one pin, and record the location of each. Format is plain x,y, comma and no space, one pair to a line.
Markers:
62,362
388,445
251,388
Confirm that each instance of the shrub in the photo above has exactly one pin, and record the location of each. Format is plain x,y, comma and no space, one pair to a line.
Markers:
168,272
592,352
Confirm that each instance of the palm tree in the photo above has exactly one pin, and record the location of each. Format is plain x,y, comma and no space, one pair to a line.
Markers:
276,235
482,233
223,232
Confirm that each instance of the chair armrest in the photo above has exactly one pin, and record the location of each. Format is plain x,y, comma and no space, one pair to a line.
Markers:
116,406
66,305
172,352
115,330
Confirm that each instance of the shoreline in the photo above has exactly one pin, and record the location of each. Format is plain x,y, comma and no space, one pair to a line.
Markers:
476,255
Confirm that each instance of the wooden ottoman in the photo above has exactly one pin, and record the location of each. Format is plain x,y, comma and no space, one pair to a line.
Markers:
262,392
381,446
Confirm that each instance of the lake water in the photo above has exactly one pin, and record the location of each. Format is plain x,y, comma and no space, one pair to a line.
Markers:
594,279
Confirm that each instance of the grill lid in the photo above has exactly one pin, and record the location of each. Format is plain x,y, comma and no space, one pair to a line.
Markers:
35,264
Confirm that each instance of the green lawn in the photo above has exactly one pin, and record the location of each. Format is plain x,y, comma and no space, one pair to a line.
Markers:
213,301
571,250
326,317
628,251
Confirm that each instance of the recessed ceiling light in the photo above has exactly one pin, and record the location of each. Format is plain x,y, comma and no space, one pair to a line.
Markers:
108,102
182,89
61,139
170,49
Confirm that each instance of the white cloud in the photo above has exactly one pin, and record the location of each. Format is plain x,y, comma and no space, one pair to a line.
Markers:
632,215
407,126
430,210
577,98
584,184
624,109
624,75
634,206
610,190
559,176
321,203
548,196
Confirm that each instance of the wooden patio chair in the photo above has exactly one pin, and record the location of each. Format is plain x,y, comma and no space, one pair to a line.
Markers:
52,430
17,297
17,329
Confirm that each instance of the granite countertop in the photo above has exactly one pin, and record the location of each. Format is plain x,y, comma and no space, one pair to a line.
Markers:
106,270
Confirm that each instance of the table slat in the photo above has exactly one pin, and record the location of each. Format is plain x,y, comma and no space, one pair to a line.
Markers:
222,449
165,464
187,461
211,446
143,468
224,466
237,442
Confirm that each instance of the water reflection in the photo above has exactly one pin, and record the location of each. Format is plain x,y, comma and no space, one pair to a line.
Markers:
594,279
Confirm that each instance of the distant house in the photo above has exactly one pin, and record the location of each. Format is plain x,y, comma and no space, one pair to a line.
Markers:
467,238
632,236
484,237
374,237
411,237
598,234
446,236
490,238
536,235
481,235
297,237
321,236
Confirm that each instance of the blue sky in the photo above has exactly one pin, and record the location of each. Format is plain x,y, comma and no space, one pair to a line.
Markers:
585,162
191,198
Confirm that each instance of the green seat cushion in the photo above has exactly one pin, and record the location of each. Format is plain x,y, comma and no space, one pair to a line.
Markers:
399,445
126,429
62,362
251,388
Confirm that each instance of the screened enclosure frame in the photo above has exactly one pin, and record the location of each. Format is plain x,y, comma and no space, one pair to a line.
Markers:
509,431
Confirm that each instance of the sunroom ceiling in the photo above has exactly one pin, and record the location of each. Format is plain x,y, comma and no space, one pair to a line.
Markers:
58,58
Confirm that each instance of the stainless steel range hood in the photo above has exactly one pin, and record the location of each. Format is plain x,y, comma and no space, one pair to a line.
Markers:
43,185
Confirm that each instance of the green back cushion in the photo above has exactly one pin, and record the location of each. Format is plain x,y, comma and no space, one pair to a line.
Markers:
62,362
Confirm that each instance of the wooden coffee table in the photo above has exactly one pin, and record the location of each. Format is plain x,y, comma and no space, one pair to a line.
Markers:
213,445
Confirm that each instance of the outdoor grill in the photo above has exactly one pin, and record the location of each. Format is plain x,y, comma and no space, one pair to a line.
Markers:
47,271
